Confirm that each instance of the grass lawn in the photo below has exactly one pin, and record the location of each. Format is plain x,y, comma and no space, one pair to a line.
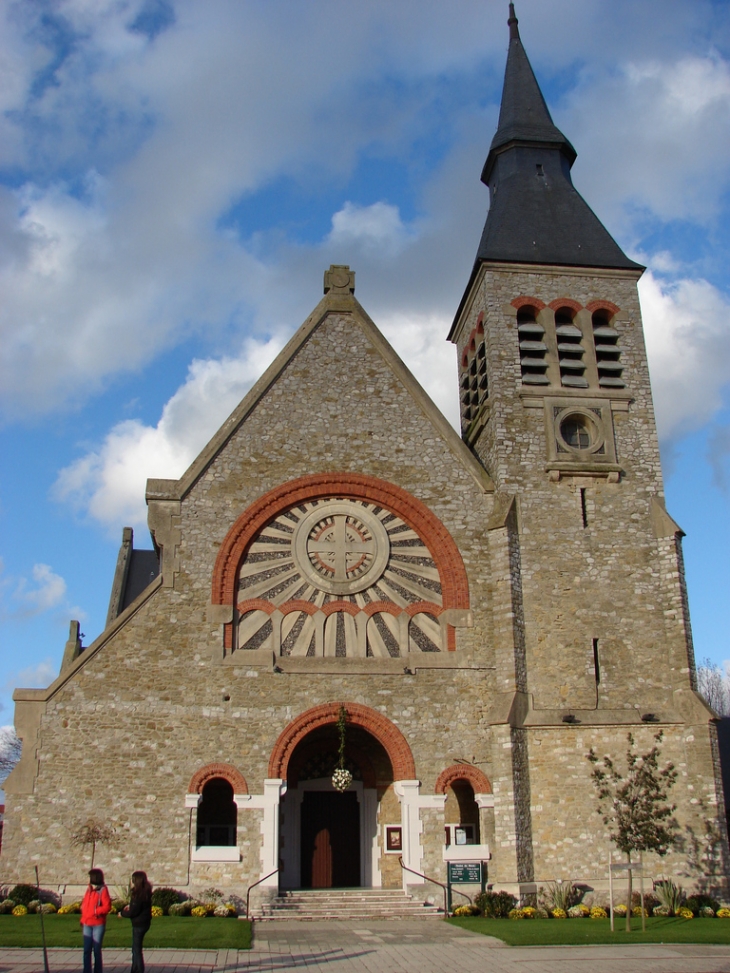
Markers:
178,932
579,932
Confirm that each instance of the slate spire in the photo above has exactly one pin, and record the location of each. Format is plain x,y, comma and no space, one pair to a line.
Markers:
535,214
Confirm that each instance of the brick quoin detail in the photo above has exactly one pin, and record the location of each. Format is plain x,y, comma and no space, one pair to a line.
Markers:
566,302
602,306
212,771
520,302
478,780
377,725
356,486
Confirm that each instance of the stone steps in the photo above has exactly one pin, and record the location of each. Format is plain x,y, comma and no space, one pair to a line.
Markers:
306,904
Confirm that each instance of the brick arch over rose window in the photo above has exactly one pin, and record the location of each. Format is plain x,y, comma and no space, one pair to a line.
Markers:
472,775
212,771
386,733
355,486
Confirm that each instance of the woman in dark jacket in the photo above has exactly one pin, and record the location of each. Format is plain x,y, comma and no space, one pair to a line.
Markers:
139,911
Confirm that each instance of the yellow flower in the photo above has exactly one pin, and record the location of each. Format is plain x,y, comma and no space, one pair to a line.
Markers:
157,912
723,913
199,911
598,913
20,910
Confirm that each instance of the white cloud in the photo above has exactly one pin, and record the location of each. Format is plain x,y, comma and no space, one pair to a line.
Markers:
34,677
108,483
377,227
686,327
653,136
48,590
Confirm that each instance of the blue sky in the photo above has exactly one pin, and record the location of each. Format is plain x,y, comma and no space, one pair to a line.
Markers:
175,177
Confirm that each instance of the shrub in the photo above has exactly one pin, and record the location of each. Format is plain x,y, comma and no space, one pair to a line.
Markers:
69,909
706,912
619,910
460,910
660,910
598,913
684,913
199,911
559,914
157,911
7,905
23,894
579,911
495,905
33,906
179,909
47,908
723,913
119,904
233,911
212,895
165,897
559,895
636,911
669,895
20,910
698,901
529,912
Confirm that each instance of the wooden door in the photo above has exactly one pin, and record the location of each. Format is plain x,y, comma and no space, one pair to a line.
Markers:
330,840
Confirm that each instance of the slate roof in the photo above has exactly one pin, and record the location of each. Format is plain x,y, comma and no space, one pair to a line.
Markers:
536,216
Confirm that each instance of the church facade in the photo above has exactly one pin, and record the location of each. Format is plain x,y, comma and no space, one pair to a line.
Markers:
341,580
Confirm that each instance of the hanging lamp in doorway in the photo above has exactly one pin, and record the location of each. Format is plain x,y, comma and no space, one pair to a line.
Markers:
341,778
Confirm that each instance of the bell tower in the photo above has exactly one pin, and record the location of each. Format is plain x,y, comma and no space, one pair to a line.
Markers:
556,403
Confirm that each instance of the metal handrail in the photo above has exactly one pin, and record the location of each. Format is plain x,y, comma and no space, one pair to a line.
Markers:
435,881
248,892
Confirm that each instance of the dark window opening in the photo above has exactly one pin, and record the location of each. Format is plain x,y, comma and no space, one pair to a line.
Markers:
608,352
583,508
462,814
570,350
217,814
577,434
533,350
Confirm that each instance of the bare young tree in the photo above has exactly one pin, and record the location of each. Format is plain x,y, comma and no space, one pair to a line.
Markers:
633,804
713,683
93,833
10,748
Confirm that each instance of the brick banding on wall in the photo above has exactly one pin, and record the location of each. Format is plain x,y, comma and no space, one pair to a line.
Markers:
356,486
212,771
385,732
472,775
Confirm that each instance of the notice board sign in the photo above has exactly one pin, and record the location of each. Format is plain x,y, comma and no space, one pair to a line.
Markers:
465,873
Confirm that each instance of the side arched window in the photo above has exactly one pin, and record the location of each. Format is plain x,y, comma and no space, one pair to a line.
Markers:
217,815
461,814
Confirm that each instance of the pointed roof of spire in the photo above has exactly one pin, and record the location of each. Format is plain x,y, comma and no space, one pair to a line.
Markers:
523,116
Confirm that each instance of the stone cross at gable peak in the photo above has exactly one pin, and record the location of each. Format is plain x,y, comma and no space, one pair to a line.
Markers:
339,279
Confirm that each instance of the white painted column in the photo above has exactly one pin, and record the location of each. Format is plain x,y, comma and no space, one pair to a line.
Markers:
274,790
411,801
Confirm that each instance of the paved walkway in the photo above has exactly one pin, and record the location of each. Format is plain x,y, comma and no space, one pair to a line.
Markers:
405,946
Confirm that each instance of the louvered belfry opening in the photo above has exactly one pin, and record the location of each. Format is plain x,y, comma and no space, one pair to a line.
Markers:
533,350
608,352
571,353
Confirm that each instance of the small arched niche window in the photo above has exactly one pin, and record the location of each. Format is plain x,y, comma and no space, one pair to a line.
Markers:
533,350
461,814
608,351
570,350
217,815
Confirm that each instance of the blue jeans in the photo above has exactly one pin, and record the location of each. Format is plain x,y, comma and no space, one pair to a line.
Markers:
93,936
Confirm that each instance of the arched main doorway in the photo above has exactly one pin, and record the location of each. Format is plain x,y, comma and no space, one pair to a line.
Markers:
337,840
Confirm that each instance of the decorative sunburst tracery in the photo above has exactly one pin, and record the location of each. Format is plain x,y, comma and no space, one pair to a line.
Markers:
339,577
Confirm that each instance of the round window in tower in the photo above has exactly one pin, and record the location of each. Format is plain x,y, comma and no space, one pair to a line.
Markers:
578,431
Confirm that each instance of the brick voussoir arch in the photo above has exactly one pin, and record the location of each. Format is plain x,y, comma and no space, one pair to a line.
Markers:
357,486
522,301
478,780
379,726
227,771
565,302
603,306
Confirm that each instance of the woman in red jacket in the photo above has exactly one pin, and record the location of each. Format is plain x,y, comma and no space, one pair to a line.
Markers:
95,907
